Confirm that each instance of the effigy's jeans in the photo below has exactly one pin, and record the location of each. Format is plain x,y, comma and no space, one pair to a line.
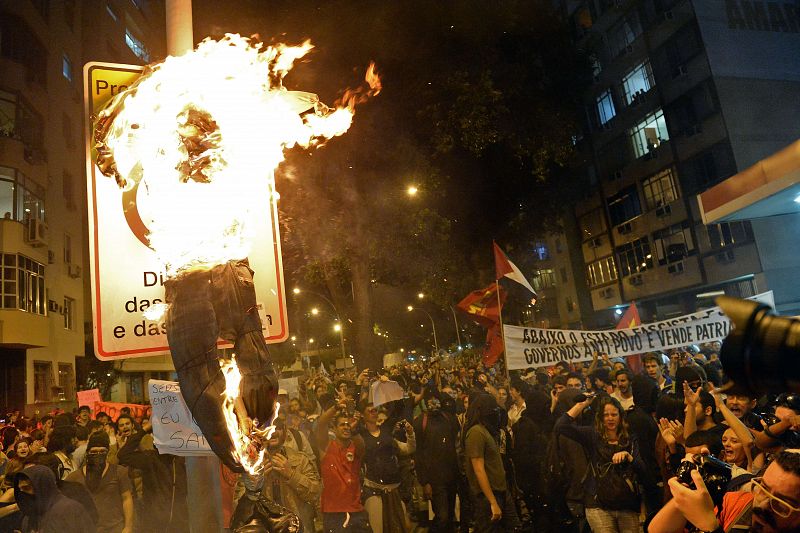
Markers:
205,306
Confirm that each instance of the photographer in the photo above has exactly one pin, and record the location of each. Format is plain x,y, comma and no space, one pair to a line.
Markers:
782,429
773,506
612,497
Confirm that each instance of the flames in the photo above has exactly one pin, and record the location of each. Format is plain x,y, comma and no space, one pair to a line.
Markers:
196,140
248,440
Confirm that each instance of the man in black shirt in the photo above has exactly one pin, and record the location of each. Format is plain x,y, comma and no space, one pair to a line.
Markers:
437,463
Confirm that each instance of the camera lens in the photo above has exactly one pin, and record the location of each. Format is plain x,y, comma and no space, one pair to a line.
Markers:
760,354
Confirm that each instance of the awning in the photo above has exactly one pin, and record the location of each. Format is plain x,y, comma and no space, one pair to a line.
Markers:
770,187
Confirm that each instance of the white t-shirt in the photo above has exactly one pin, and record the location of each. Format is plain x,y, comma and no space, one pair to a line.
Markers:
626,403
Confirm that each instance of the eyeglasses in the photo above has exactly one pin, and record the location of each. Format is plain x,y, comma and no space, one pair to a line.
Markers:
780,507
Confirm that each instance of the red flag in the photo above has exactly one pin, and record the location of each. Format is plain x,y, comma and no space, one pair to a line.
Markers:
504,268
481,305
630,320
494,345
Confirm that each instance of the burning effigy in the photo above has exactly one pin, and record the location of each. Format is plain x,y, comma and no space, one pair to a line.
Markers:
196,140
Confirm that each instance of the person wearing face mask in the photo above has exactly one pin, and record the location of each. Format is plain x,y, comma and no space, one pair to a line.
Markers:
493,506
44,507
109,486
437,462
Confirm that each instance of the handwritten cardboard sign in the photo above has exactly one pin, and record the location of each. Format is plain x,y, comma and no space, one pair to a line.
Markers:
174,430
114,409
89,398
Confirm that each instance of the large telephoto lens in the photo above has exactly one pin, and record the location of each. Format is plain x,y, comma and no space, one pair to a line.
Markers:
762,353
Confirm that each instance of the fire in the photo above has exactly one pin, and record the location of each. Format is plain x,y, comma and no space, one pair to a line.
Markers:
196,141
247,438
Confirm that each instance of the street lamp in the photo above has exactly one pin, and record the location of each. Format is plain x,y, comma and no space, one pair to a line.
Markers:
315,311
420,295
412,190
433,325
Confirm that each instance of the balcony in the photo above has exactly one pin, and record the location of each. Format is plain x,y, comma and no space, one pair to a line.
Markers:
19,329
694,139
732,262
596,247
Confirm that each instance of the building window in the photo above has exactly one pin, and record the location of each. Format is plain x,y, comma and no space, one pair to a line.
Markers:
649,133
540,251
634,257
637,82
66,67
31,295
673,243
622,36
570,304
624,206
136,46
69,313
20,198
43,382
659,189
66,379
563,271
19,121
601,272
605,107
559,249
592,224
111,13
729,233
67,249
544,279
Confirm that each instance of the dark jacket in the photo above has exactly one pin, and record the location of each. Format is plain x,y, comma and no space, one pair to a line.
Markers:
51,511
598,452
436,458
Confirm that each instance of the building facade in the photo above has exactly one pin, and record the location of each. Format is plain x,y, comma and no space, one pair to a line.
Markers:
44,306
684,95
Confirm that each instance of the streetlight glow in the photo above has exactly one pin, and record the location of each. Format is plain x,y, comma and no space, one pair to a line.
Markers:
337,327
410,307
296,290
311,341
412,190
314,311
420,295
294,337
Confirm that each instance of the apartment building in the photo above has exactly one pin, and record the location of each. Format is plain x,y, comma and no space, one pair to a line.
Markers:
684,95
43,46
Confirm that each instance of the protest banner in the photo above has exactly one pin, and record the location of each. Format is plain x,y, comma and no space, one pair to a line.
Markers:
534,347
89,398
174,430
382,392
113,409
290,386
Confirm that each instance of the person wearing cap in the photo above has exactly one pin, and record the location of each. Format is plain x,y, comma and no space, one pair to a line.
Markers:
109,486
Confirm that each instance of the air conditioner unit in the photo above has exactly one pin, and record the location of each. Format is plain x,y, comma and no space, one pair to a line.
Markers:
629,48
668,15
607,293
74,271
624,228
636,280
52,306
606,126
679,71
663,211
51,257
35,232
726,257
676,268
597,242
616,175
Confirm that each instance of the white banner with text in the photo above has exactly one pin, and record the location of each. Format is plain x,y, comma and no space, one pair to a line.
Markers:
534,347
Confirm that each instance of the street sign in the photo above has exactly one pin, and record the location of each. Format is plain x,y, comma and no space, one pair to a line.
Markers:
125,275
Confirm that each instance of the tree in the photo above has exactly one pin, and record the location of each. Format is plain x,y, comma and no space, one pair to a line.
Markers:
478,110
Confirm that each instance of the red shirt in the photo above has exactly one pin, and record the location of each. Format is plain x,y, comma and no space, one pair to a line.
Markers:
341,482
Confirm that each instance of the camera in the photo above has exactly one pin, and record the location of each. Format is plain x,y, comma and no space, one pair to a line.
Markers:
761,353
716,475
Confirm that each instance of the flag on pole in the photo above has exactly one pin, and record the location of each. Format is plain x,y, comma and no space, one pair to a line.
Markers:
322,370
494,345
630,320
505,268
481,305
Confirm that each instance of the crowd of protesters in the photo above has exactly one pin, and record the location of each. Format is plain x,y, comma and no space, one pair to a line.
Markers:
572,448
